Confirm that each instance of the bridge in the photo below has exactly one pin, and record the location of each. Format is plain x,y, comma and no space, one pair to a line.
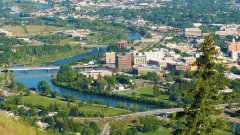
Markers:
47,68
30,68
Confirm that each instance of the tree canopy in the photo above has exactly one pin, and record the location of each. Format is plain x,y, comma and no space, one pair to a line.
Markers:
198,116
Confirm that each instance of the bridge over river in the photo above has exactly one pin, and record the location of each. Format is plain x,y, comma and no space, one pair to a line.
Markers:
30,68
47,68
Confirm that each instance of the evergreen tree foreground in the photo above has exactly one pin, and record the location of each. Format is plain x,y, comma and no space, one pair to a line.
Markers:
200,116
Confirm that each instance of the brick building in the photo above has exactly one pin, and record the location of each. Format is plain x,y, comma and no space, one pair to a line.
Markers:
234,47
122,44
124,62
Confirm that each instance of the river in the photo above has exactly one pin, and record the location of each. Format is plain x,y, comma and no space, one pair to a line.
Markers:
134,35
31,78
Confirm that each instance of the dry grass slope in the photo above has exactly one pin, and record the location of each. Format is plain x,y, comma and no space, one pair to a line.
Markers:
11,126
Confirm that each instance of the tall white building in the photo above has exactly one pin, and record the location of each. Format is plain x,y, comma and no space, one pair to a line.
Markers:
155,55
139,59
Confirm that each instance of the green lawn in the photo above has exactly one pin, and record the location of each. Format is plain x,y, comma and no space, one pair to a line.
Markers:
161,132
146,90
67,41
41,100
2,76
93,109
125,92
110,111
222,133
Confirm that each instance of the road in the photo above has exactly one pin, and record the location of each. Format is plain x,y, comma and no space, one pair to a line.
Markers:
94,46
150,112
137,114
107,129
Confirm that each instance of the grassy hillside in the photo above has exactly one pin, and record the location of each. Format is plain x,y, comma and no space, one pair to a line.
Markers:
10,126
36,99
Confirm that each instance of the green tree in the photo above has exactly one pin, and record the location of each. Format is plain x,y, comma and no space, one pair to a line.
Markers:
44,87
150,123
199,113
73,111
94,126
69,98
66,74
53,94
87,131
118,128
156,90
28,92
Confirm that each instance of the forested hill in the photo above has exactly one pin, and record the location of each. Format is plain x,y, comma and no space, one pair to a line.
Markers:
182,13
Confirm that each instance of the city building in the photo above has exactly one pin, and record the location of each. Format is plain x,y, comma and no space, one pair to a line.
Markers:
96,73
228,29
192,32
233,55
139,59
122,44
143,70
110,57
162,63
234,47
182,66
155,55
124,61
189,60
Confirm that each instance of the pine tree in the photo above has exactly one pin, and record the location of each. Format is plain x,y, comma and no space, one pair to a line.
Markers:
156,90
200,116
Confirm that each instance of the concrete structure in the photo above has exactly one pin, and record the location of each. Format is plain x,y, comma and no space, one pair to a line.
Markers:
192,32
233,55
139,59
124,62
110,57
122,44
143,70
166,63
234,46
155,55
228,29
96,73
189,60
182,66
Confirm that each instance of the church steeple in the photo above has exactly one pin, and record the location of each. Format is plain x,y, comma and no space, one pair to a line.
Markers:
234,40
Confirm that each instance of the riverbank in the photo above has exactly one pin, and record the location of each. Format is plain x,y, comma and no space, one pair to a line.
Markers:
84,109
31,79
150,101
44,54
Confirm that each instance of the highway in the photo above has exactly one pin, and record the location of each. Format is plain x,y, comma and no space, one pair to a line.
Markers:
137,114
150,112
